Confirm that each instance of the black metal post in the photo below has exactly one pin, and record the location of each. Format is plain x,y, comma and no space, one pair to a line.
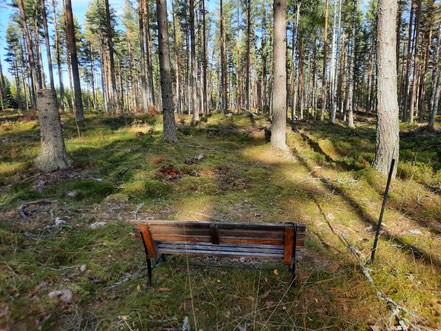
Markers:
149,263
377,233
293,262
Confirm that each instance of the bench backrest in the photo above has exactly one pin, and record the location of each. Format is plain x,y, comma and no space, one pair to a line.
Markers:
266,241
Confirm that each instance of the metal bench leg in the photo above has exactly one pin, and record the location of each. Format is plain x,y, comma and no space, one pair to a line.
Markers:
292,268
149,263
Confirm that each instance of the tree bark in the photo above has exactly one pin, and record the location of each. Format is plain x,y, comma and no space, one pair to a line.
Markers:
301,102
30,46
278,127
422,95
408,64
177,33
387,142
247,64
79,112
169,127
436,85
57,50
415,63
193,66
53,155
239,85
325,49
223,62
48,45
111,57
148,49
3,86
205,59
352,69
144,94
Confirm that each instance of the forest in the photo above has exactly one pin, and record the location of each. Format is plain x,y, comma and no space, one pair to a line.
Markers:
246,111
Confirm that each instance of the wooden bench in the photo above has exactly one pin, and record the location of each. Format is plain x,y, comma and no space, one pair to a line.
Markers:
274,242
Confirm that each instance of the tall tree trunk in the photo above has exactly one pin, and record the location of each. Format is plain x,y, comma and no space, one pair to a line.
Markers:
111,57
422,95
247,86
53,155
102,62
30,46
387,144
436,84
325,49
79,113
408,64
415,62
293,94
37,43
68,62
144,92
352,75
205,59
134,91
177,33
3,86
169,127
278,127
334,65
400,12
48,45
239,91
120,85
17,84
148,49
92,71
57,50
301,102
223,61
314,83
193,66
340,78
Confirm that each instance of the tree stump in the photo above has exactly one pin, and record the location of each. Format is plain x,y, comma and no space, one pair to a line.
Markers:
53,155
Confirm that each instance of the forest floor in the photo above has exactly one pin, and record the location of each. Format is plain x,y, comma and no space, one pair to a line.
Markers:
69,231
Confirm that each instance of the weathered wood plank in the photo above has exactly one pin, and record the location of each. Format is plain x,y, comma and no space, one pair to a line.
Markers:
228,240
220,248
250,226
229,254
289,237
214,234
151,247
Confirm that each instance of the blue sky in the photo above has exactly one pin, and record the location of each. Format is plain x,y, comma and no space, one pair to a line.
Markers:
79,8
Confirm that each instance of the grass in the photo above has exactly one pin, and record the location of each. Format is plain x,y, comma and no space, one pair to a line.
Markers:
326,183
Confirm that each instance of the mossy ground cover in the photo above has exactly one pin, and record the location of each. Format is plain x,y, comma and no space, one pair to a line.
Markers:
325,182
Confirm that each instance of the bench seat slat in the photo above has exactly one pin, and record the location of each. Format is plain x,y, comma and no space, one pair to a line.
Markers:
223,239
221,248
222,232
205,225
222,244
218,253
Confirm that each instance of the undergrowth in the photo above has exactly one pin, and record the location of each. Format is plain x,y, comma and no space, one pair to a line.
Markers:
79,237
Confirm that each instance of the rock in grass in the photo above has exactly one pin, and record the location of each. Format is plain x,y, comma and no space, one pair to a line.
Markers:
74,194
415,231
83,268
97,224
62,295
59,221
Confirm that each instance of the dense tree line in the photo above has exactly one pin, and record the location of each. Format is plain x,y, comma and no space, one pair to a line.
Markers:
224,59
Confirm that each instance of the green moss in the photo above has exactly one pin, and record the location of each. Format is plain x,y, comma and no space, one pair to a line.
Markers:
86,189
151,189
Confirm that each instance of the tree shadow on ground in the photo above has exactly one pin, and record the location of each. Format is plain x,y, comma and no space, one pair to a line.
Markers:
407,248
